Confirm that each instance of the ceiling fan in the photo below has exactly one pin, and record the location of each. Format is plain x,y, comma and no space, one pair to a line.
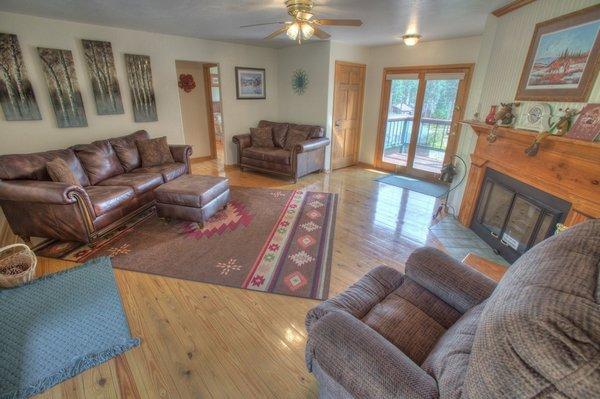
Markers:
304,24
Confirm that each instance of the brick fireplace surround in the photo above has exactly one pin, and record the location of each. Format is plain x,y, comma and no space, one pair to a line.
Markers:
566,168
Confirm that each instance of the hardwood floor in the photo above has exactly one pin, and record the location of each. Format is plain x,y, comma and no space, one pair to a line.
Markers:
201,340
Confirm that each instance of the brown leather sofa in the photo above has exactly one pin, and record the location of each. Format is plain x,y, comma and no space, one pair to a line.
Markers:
114,187
304,158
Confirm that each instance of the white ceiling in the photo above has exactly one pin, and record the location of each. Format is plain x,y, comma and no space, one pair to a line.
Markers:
383,20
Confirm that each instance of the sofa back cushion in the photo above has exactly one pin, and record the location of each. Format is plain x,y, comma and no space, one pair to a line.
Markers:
127,150
280,131
99,160
295,136
33,166
313,131
540,329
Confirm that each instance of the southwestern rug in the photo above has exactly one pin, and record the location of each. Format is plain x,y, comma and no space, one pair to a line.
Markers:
58,326
265,240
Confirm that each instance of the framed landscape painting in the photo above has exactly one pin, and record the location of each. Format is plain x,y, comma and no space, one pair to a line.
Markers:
139,76
101,69
563,59
250,83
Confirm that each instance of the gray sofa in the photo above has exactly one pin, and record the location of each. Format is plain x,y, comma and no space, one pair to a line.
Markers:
444,330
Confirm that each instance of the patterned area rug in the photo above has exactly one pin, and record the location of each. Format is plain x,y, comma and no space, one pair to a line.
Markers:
59,326
265,240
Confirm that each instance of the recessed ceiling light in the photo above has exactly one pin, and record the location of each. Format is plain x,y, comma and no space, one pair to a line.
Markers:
411,40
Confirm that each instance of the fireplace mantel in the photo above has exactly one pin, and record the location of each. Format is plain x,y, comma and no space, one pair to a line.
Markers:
566,168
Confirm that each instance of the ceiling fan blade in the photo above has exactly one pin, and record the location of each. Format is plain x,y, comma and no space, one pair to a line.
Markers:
276,33
338,22
321,34
266,23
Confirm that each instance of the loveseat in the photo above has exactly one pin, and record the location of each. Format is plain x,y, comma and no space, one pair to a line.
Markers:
113,187
295,161
444,330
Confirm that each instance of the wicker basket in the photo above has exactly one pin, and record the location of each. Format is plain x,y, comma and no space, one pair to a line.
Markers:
17,265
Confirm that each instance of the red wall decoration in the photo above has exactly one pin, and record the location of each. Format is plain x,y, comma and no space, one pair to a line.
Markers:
186,82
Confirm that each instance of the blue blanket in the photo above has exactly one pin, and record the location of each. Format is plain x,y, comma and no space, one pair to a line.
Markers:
58,326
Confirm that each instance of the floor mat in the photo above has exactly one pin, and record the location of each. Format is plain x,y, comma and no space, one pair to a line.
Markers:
421,186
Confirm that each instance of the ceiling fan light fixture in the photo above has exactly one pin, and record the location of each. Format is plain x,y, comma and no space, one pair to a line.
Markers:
307,31
411,40
293,30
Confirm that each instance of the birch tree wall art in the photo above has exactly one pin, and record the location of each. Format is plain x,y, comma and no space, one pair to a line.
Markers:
16,94
139,75
65,96
101,69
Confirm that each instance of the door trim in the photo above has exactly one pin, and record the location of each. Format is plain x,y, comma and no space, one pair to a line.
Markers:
461,101
361,97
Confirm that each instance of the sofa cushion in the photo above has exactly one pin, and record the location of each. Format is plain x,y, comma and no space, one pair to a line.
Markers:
276,155
140,182
127,150
59,171
279,131
262,137
192,190
33,166
107,198
99,160
294,137
540,329
169,171
412,319
448,360
154,152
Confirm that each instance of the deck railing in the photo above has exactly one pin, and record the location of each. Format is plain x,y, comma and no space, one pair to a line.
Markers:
433,134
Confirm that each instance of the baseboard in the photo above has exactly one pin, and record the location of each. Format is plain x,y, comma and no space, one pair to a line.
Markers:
201,159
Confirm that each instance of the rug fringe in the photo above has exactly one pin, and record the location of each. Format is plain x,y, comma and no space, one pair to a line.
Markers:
77,366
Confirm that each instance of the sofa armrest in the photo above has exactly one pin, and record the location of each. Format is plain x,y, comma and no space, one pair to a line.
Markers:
310,145
39,191
364,362
181,153
242,140
457,284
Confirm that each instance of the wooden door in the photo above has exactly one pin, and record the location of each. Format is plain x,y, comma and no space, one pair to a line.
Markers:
347,113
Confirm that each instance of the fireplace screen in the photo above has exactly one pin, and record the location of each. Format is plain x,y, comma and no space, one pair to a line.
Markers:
512,216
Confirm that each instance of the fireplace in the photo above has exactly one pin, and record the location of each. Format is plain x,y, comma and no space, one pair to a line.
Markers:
512,216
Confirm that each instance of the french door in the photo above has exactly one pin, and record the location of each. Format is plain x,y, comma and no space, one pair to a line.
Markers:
420,111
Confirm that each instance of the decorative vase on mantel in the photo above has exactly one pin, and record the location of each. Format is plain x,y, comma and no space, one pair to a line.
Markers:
490,119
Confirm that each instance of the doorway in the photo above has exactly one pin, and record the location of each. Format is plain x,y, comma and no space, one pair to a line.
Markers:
419,115
349,87
201,108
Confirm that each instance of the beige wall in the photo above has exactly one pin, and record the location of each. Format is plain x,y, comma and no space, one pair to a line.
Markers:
194,114
164,50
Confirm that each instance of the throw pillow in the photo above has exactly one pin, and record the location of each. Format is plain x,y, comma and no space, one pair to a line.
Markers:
294,137
154,152
262,136
279,131
59,171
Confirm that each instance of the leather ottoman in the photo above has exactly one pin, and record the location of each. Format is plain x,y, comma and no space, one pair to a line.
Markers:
192,197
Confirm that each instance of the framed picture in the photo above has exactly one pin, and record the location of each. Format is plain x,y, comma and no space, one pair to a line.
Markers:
587,125
101,69
139,76
250,83
563,59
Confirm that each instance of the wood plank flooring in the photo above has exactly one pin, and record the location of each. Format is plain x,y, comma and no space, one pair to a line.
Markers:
202,341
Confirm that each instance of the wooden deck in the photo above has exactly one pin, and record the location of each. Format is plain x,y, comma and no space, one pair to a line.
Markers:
421,162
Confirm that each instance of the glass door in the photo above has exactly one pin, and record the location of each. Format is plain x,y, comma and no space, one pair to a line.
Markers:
420,119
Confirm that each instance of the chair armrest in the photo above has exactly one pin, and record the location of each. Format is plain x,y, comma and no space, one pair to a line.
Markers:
40,191
310,145
363,362
181,152
242,140
457,284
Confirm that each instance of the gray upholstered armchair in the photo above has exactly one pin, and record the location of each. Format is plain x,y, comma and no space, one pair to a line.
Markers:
445,330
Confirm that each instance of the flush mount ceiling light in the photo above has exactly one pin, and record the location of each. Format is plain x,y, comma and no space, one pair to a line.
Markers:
411,40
